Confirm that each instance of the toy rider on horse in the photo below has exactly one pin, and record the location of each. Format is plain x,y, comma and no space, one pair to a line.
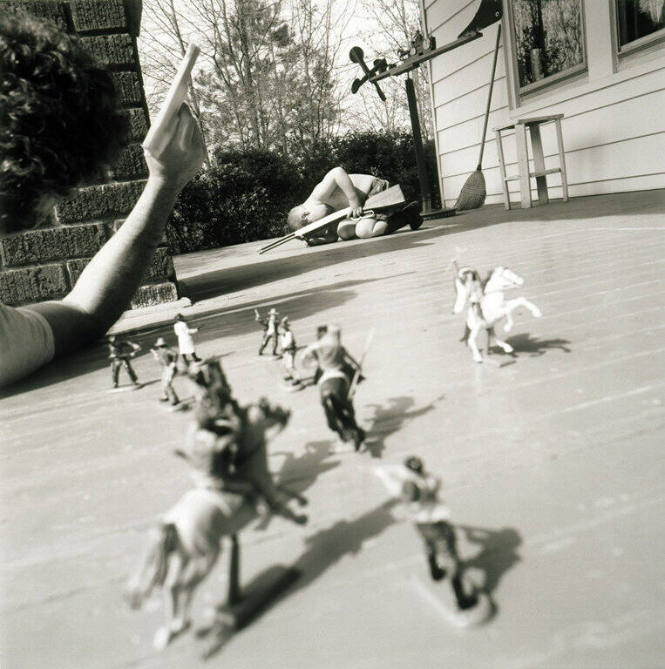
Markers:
223,442
338,370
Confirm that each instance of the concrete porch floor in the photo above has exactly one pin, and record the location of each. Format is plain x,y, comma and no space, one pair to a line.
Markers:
552,460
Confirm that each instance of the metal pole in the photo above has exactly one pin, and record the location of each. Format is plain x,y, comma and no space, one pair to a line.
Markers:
233,592
425,192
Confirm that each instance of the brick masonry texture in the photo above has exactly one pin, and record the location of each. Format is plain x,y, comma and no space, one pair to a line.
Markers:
128,86
98,15
74,269
160,269
96,202
53,244
155,293
112,50
130,164
44,264
55,11
138,124
32,284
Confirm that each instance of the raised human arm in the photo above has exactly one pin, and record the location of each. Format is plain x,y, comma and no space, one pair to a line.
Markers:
109,281
309,355
337,177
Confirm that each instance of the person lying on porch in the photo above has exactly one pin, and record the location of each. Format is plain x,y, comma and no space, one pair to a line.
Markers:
339,190
61,122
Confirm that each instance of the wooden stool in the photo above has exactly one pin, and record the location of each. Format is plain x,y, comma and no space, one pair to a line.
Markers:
540,173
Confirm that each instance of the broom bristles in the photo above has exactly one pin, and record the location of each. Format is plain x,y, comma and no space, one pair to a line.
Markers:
473,192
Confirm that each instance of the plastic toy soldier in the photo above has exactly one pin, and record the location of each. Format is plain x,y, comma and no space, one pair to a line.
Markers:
338,369
185,341
168,359
419,492
287,343
269,329
320,332
120,353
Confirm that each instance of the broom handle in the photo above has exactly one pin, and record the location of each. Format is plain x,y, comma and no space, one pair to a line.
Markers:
489,96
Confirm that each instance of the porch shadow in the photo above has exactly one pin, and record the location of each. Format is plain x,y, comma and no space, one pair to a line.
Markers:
215,324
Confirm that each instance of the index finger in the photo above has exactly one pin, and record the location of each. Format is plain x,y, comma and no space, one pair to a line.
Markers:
186,126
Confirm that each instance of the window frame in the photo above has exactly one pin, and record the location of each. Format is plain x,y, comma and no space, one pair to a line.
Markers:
639,44
553,79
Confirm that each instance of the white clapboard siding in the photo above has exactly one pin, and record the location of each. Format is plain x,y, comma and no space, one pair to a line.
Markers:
455,112
596,169
631,117
613,126
469,77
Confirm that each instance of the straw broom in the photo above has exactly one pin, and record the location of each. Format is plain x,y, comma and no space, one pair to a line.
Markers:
473,191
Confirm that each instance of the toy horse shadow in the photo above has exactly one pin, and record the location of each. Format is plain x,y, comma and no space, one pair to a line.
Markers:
525,343
299,473
324,548
389,418
267,587
497,554
345,537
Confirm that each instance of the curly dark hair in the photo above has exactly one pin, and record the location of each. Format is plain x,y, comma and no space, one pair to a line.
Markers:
59,117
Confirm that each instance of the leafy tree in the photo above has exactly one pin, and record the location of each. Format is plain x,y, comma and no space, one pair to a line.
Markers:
266,78
397,22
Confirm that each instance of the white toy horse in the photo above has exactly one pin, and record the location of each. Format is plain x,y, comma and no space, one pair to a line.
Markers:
487,304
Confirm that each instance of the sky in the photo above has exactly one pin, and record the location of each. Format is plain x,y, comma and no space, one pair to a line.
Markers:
354,25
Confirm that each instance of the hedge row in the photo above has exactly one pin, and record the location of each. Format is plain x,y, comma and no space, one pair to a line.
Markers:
245,196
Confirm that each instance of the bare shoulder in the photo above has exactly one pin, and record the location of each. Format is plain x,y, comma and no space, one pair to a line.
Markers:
362,182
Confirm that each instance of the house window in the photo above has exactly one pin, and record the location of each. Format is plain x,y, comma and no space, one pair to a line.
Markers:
637,19
549,40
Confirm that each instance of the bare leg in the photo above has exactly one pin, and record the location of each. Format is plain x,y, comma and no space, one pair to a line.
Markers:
471,343
184,601
164,634
369,227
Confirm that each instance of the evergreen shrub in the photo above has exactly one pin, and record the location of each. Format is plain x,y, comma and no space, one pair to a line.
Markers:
245,196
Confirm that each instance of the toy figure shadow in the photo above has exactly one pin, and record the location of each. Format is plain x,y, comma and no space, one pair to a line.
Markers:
299,473
324,549
525,343
497,554
389,419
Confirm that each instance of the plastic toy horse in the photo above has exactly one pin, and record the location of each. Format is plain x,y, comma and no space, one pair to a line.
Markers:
185,545
487,304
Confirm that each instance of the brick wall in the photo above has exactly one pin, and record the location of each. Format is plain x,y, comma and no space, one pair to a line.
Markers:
44,264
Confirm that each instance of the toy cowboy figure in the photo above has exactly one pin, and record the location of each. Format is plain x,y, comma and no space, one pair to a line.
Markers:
338,369
168,359
418,491
269,329
185,341
287,343
313,356
120,353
